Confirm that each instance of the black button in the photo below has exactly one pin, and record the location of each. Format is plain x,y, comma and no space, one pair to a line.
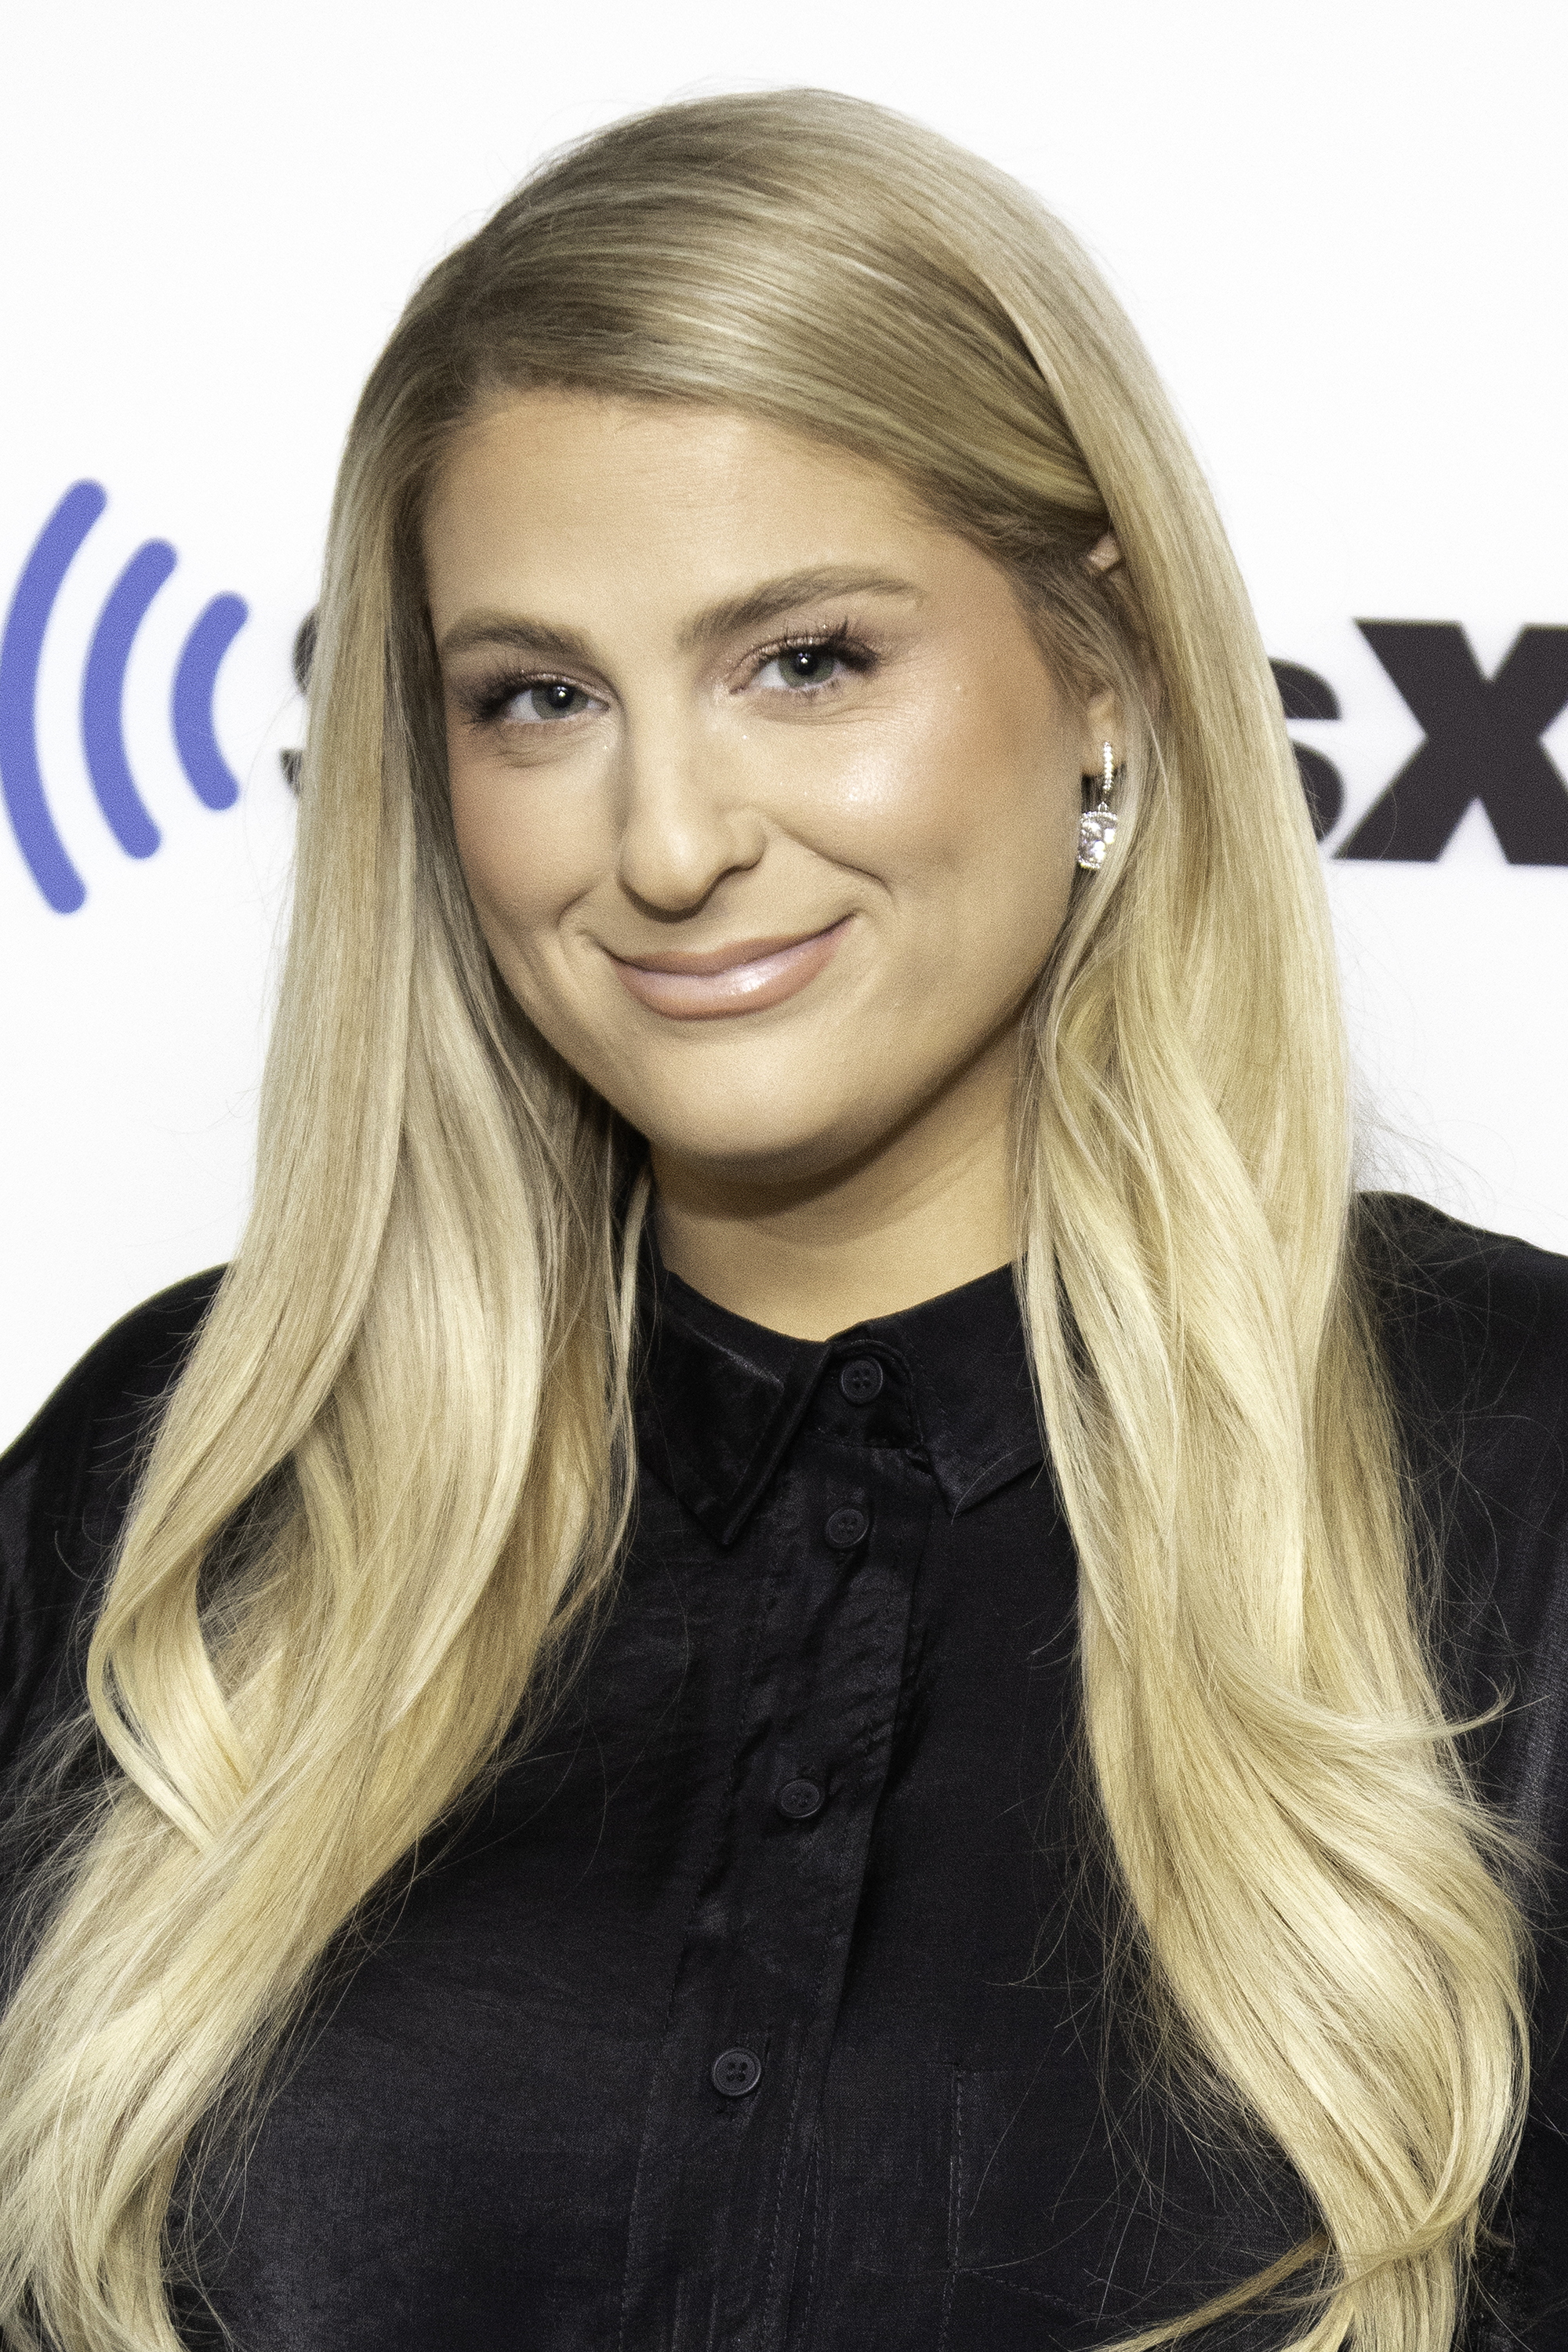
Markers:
846,1528
798,1800
736,2072
861,1378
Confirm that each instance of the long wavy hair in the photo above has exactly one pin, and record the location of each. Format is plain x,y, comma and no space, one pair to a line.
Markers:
396,1472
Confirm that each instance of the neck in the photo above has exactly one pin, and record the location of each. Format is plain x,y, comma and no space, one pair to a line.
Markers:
925,1211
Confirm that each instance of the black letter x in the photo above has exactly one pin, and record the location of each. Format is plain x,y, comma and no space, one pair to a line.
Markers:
1483,743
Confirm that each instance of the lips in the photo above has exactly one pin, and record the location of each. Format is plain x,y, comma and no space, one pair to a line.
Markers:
744,977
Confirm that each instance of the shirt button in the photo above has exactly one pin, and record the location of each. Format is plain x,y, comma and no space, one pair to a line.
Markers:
861,1378
846,1528
736,2072
798,1800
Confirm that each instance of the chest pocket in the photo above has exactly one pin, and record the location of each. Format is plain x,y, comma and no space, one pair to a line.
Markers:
1065,2232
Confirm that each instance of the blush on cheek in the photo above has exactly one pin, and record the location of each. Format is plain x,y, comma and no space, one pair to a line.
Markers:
507,879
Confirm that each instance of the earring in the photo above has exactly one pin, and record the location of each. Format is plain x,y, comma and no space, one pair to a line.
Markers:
1096,826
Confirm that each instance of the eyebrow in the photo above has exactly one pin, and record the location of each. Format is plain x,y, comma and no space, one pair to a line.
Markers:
754,610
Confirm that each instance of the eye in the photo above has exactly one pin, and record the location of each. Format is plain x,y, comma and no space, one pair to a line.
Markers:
800,668
546,699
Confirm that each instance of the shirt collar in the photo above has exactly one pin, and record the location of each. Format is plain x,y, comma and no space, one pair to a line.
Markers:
720,1399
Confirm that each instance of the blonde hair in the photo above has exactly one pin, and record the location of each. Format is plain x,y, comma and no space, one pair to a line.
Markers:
397,1469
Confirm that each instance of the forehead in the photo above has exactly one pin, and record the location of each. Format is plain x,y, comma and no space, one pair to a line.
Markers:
561,491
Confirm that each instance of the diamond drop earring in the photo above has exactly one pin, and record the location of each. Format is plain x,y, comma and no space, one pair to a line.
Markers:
1096,826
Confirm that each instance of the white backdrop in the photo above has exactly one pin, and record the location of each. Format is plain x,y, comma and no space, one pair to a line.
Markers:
1339,228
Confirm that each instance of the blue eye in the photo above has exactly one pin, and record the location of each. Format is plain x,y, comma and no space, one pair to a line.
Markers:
808,665
553,699
800,668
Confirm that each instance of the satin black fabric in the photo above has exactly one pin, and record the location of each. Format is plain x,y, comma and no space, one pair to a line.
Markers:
760,2005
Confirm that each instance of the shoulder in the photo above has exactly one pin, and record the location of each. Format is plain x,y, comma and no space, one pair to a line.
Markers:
67,1484
1474,1305
1475,1327
1475,1330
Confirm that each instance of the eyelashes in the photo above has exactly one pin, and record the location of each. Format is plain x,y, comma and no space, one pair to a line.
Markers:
484,701
837,644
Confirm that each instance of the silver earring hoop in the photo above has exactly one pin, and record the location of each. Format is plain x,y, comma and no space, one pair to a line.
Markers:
1096,826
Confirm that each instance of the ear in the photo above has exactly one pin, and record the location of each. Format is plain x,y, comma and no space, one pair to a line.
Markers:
1102,725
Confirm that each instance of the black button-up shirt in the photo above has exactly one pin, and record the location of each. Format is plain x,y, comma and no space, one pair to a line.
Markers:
761,2005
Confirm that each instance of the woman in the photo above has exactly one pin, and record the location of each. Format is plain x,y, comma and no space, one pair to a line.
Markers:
615,1799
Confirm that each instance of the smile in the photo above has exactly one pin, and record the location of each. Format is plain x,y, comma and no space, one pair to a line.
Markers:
744,977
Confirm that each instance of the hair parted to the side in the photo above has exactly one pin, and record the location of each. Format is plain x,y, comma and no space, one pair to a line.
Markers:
420,1359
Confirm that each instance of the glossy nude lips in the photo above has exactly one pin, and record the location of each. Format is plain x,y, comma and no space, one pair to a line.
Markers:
741,978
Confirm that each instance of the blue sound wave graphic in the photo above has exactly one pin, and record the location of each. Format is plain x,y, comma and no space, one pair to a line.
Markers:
102,697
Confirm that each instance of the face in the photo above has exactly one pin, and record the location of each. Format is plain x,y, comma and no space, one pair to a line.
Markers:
765,794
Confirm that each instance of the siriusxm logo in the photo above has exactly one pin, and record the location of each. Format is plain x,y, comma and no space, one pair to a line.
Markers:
102,697
1481,740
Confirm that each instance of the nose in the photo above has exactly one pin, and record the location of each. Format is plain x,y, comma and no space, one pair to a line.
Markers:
686,819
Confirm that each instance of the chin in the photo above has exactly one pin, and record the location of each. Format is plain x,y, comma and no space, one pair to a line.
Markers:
767,1148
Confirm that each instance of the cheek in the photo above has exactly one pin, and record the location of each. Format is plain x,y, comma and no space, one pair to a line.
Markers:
971,812
523,856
